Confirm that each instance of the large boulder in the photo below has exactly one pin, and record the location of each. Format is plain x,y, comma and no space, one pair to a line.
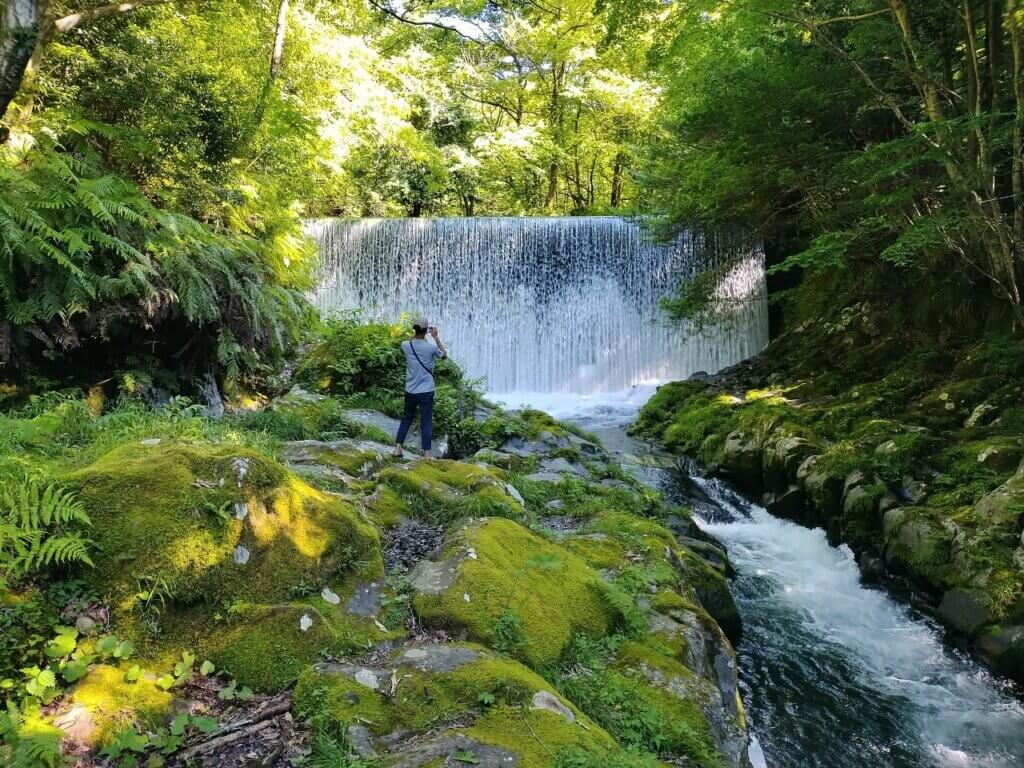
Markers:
216,524
784,452
741,459
822,487
434,704
500,583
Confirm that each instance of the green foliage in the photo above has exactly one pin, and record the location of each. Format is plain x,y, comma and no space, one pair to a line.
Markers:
89,262
36,523
25,742
364,363
508,636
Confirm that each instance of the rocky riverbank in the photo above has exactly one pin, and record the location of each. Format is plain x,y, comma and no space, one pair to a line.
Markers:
531,605
905,449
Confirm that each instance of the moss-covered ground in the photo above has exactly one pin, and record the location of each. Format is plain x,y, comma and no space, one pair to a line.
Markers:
225,548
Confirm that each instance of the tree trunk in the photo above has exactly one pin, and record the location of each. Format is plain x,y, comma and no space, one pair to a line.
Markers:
1016,23
929,93
617,167
18,37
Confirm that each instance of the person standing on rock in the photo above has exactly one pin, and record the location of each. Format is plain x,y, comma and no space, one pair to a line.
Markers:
420,355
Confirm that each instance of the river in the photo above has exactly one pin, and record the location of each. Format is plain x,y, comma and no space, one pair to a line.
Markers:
835,674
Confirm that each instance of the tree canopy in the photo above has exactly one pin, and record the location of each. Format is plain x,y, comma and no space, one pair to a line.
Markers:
879,136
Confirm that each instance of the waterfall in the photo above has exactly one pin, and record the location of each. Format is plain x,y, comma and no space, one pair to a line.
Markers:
545,304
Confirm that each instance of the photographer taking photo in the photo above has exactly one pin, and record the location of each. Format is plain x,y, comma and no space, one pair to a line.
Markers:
420,355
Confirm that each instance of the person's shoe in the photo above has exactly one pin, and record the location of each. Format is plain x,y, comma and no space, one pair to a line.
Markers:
397,453
428,456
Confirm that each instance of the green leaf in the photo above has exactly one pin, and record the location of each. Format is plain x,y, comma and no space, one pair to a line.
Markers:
165,681
124,650
133,674
106,645
205,724
75,670
46,679
62,645
207,668
465,756
178,725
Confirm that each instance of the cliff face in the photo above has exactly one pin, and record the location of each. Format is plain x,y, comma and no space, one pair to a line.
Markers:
906,448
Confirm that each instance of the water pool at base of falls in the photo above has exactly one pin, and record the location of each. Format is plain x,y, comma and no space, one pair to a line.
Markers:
835,674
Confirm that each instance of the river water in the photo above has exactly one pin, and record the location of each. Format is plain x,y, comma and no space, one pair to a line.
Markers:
835,674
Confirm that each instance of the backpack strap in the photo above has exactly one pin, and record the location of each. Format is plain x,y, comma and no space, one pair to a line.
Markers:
422,364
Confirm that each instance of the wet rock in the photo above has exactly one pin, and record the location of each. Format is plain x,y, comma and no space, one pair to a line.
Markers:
822,488
437,657
561,464
545,477
983,414
788,504
360,742
782,458
514,493
498,458
1000,458
434,578
964,610
452,750
555,504
1003,647
741,459
584,446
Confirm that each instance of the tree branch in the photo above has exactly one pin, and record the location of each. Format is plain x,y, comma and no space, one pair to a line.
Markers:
72,20
402,17
855,17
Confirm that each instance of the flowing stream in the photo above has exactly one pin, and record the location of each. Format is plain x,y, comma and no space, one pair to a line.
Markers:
559,314
835,674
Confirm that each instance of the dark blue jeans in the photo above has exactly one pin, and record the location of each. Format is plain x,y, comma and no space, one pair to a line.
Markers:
425,402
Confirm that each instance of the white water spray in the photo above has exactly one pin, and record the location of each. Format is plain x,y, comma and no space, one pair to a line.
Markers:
545,305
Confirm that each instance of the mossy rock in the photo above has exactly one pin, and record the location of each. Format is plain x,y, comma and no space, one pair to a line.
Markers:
213,524
267,647
435,689
102,704
495,569
443,491
706,720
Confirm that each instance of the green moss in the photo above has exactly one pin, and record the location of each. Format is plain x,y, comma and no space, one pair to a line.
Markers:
115,705
552,591
167,513
443,491
536,736
264,646
386,508
492,692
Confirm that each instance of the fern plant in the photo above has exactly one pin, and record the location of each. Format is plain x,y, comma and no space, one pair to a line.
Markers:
25,742
87,262
34,528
